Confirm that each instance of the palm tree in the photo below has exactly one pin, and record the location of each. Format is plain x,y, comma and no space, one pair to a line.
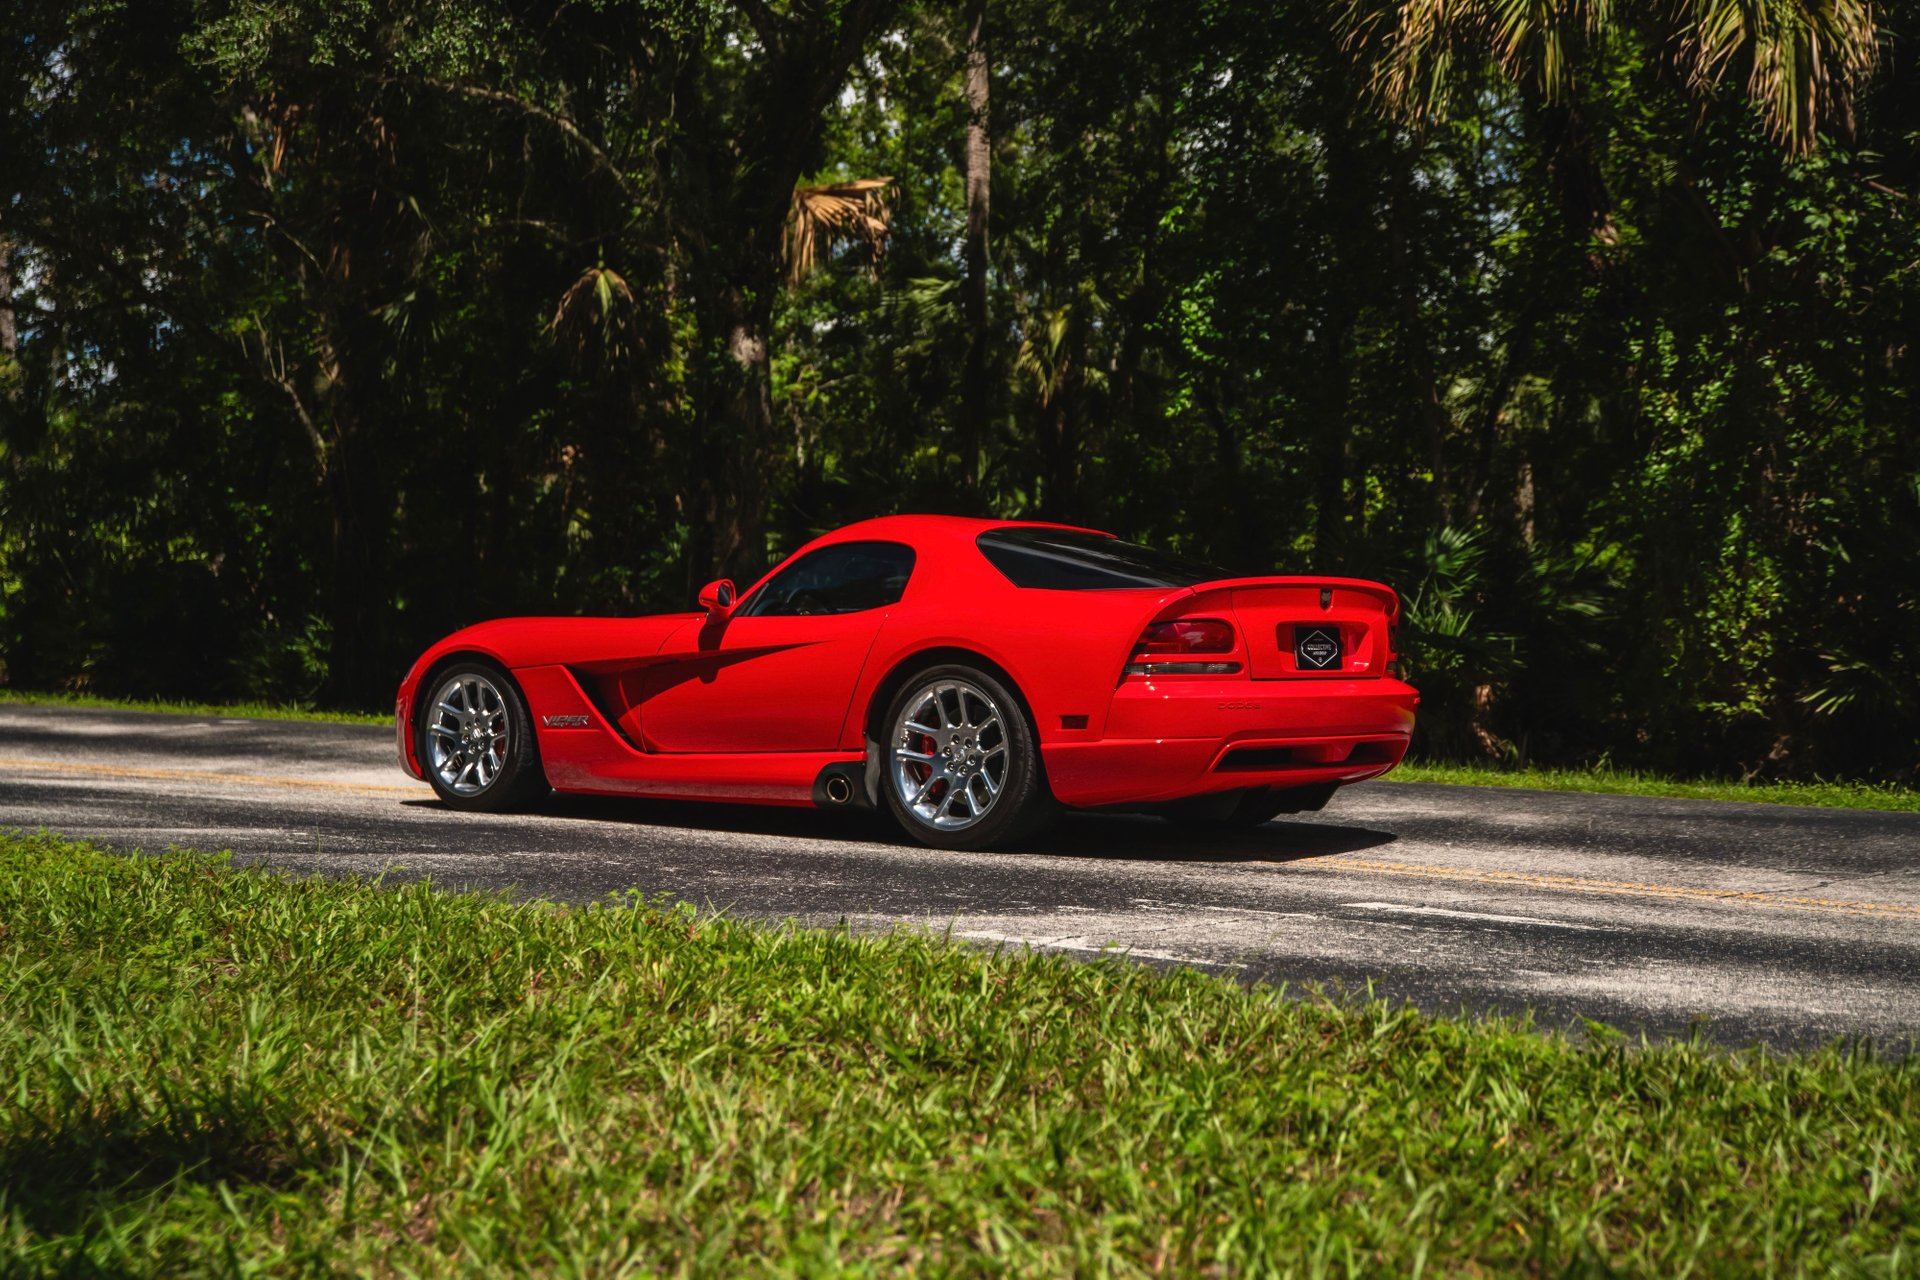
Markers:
1802,58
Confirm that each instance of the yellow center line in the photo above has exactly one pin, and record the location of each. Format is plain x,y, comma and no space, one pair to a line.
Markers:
207,775
1339,863
1614,888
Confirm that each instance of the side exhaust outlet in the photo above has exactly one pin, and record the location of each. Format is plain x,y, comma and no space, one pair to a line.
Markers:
842,786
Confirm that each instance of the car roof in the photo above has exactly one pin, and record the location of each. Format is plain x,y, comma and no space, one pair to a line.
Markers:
908,526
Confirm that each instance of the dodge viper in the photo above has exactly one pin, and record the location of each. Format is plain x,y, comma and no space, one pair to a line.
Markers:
969,676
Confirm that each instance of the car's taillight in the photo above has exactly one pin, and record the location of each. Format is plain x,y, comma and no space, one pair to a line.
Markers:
1186,635
1164,648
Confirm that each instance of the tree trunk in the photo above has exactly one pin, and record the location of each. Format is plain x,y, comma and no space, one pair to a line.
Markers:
1434,419
1353,244
975,397
1059,499
741,433
1513,362
9,329
356,597
1586,200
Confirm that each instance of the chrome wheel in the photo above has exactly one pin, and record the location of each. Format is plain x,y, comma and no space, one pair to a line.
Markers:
949,754
467,729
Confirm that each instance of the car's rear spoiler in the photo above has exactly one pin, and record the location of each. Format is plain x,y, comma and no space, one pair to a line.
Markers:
1389,598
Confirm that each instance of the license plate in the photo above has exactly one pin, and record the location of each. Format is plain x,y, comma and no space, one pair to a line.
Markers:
1316,648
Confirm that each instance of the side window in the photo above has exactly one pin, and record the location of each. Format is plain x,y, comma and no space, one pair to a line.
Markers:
846,578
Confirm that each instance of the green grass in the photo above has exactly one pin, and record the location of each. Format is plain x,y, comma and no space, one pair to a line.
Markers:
1836,795
209,1070
235,710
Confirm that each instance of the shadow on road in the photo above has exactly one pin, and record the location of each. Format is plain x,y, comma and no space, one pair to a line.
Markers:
1103,836
1138,839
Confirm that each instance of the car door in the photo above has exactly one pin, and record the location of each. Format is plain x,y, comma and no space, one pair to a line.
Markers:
778,672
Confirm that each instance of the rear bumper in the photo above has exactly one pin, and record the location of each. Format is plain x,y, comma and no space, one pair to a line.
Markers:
1167,739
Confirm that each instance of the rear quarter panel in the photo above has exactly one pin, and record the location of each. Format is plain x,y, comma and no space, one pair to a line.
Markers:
1064,649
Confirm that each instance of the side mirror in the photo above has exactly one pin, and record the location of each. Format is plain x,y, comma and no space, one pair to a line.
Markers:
717,598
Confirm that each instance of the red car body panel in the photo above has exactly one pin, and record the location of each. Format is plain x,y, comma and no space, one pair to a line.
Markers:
752,708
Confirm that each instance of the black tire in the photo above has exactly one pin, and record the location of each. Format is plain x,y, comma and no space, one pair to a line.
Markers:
517,780
1244,810
1022,802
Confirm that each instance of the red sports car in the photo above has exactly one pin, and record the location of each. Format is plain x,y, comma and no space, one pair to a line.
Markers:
969,675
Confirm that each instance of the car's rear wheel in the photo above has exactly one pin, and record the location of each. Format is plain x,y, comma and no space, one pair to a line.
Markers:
961,764
475,739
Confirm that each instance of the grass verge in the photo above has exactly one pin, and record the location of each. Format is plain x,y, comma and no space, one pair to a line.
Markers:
219,1070
235,710
1833,795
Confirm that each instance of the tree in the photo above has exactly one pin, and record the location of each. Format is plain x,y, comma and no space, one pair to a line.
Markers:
746,137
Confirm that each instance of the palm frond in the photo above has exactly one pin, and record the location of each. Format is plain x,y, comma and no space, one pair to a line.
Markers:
1803,58
836,213
600,305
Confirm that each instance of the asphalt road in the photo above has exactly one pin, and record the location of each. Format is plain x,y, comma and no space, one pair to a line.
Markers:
1784,925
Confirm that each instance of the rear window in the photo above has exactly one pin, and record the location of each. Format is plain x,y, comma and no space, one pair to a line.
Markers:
1069,560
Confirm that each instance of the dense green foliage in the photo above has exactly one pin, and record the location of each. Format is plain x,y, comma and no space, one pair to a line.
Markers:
339,324
217,1071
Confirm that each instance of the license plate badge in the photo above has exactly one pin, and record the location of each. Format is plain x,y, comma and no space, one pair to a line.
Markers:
1317,648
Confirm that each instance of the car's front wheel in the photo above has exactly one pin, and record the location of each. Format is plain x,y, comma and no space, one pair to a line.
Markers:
475,738
962,767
